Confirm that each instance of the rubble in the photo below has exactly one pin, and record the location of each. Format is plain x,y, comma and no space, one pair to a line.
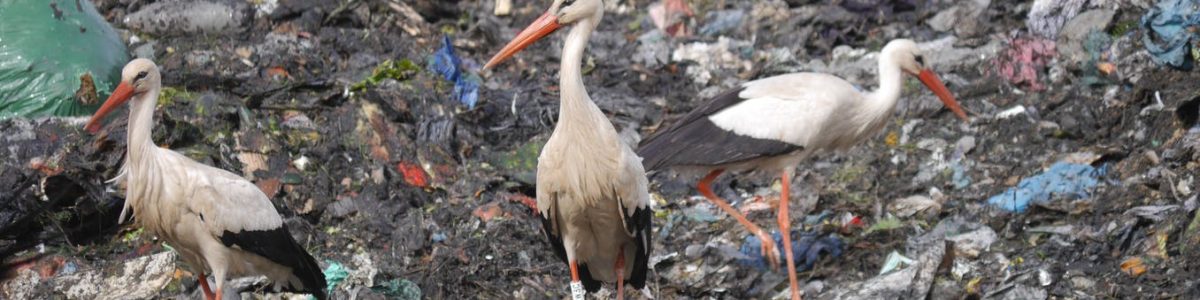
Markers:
189,17
1076,31
141,277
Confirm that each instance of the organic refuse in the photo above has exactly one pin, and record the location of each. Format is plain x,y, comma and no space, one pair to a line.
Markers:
56,58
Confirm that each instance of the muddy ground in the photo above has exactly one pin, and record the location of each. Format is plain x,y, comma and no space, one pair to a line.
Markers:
386,175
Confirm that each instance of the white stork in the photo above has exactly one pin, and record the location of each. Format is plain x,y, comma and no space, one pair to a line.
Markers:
220,223
591,188
774,123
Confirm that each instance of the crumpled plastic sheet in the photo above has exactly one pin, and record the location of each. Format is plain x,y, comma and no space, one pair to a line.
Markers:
446,63
1024,59
1173,29
1047,17
1062,178
334,274
722,21
806,250
399,289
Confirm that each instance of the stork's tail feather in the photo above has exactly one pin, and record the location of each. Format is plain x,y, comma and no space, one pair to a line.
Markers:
310,274
590,284
277,245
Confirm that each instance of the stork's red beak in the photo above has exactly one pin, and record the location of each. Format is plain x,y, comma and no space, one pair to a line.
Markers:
934,84
541,27
119,96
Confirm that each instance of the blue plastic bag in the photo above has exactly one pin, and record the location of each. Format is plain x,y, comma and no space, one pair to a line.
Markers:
1176,24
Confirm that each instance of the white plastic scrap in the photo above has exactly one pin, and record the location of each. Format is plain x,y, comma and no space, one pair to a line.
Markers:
300,163
1044,277
895,261
711,57
1011,112
1157,106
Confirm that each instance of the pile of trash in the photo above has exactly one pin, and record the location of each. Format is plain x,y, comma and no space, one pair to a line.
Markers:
408,171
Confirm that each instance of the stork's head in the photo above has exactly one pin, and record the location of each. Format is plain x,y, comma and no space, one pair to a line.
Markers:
908,56
137,78
561,12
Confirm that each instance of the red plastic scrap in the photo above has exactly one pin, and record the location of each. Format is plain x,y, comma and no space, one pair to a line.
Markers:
521,198
278,73
488,211
670,16
270,187
414,175
1025,58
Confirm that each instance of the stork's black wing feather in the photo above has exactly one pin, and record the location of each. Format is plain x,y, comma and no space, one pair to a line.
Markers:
639,226
277,245
697,141
549,228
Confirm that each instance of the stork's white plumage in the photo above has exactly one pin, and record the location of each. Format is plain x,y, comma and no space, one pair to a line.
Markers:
220,223
591,187
775,123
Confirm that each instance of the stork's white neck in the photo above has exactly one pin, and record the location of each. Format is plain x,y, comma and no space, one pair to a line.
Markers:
576,105
141,123
891,81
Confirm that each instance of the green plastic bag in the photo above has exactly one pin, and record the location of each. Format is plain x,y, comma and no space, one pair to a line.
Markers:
49,51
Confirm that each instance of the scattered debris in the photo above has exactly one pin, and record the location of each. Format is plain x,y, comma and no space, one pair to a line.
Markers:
405,191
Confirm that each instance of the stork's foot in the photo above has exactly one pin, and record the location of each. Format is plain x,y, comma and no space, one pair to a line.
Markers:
769,250
208,293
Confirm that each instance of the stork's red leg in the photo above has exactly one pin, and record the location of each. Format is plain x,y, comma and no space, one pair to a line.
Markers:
785,226
620,268
576,286
208,293
768,244
218,294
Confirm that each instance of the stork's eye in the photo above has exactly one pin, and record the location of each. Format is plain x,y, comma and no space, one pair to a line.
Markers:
921,60
140,76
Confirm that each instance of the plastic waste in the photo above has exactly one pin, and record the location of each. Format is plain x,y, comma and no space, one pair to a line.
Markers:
1172,31
1024,60
56,59
334,274
722,21
1060,179
806,250
399,289
446,63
